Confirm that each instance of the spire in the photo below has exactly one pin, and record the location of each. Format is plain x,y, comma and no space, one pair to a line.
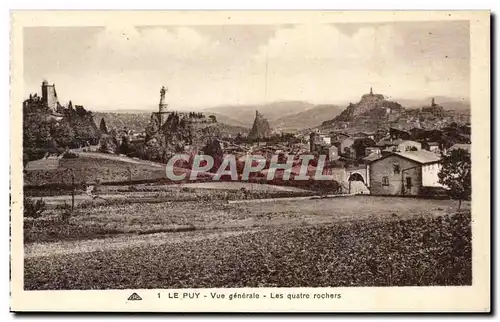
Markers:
433,102
371,91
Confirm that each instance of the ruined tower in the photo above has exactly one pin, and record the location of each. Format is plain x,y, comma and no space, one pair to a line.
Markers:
49,95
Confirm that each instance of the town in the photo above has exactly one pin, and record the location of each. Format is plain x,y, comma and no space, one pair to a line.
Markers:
374,147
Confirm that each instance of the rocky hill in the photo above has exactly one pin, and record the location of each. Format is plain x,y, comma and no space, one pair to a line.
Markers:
372,111
260,128
375,111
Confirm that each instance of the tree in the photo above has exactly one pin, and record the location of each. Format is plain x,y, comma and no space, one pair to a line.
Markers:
103,127
214,149
455,174
359,146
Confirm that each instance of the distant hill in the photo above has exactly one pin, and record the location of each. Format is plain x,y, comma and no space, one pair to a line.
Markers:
221,118
246,113
306,119
448,103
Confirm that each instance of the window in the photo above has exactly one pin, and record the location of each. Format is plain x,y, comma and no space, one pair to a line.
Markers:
396,168
408,183
385,181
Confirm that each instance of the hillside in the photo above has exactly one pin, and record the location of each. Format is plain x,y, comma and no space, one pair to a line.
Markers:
272,111
306,119
132,121
90,167
139,121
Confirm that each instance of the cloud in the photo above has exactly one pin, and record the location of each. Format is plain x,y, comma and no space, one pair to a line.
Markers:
324,63
124,67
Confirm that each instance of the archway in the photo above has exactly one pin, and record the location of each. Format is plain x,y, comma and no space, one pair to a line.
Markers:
356,177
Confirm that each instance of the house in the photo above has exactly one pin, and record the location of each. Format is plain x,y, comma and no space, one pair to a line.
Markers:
404,173
409,145
333,152
369,135
338,136
433,147
465,147
399,134
371,157
372,149
401,146
325,139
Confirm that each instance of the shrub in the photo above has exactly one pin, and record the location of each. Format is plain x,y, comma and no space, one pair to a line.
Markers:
34,209
65,215
69,155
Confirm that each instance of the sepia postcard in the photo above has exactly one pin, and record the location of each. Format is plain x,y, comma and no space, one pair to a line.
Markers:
250,161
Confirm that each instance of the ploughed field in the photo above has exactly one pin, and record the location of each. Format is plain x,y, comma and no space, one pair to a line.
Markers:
346,241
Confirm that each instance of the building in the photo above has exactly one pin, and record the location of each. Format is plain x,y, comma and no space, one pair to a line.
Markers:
325,139
465,147
49,96
360,135
333,152
338,136
373,149
433,147
399,145
404,173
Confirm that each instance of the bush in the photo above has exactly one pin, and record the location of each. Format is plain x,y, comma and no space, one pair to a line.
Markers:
69,155
34,209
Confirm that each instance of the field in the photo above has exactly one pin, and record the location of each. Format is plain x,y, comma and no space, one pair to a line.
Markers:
344,241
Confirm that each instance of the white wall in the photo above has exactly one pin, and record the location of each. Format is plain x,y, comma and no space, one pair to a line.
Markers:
430,175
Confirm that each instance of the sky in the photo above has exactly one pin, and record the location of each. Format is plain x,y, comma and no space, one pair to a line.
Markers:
119,68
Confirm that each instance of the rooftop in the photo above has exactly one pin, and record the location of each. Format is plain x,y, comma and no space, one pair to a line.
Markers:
421,156
462,146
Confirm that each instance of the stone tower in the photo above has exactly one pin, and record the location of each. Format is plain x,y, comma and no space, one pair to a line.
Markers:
49,95
312,142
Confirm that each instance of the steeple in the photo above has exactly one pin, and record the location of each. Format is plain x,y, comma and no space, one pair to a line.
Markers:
371,91
433,102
